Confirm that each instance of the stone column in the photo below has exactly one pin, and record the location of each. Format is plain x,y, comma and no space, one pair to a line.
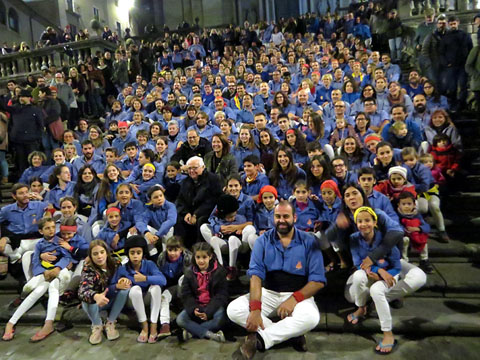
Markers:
462,5
404,9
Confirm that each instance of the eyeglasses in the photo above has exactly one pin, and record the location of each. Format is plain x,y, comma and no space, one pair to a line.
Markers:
428,87
339,165
339,106
193,168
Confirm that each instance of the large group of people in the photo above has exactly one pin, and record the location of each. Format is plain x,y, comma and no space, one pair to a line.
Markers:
300,144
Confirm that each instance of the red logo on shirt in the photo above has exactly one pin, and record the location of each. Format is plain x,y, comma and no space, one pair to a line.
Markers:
299,265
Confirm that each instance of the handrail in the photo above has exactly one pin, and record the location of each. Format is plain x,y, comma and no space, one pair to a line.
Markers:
19,65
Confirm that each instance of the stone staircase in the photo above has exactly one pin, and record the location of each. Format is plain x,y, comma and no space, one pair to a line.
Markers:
449,303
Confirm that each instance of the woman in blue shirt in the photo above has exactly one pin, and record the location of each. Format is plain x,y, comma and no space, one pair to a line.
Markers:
245,146
377,281
285,173
60,185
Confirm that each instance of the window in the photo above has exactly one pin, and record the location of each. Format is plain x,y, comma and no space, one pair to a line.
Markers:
70,6
3,14
13,19
96,13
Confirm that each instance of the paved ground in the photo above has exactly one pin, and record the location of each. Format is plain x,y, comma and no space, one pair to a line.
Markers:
73,344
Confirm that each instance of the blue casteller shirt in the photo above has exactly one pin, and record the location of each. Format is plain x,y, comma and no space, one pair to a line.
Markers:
360,250
23,221
148,268
161,218
303,259
63,255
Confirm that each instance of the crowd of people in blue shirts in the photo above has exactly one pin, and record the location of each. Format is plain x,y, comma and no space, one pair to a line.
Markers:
185,169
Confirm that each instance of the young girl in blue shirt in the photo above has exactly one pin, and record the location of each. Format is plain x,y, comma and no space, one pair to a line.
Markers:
376,281
146,280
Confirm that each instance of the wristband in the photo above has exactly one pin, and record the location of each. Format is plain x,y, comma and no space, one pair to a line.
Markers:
255,305
298,296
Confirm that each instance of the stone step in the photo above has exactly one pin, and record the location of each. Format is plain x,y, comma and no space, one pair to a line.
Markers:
419,316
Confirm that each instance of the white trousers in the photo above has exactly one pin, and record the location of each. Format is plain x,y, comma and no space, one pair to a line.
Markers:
410,279
25,245
37,287
432,204
305,316
233,242
153,295
358,289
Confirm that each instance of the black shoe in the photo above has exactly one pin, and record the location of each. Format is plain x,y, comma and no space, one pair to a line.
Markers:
426,266
443,237
299,343
396,304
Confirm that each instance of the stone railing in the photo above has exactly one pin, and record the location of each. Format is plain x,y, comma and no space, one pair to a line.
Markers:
18,66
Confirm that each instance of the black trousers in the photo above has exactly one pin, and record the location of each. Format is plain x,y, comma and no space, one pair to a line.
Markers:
21,152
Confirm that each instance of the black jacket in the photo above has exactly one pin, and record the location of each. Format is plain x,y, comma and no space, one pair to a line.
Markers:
217,287
454,48
186,152
198,198
26,123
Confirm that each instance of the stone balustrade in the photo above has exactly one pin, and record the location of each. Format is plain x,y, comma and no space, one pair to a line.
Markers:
19,65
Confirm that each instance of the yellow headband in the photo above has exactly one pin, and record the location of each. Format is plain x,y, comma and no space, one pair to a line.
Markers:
150,165
367,209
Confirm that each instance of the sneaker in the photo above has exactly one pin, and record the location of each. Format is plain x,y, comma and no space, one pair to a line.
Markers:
164,331
426,266
96,336
186,335
443,237
218,336
112,333
231,273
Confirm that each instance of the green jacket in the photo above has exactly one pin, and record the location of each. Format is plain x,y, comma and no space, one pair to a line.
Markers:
472,66
228,166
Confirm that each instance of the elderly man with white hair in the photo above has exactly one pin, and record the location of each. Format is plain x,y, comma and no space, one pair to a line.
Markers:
196,200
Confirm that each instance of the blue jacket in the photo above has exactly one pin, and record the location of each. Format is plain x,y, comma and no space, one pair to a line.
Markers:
49,170
161,218
134,128
137,171
208,131
327,214
97,163
147,268
307,217
54,195
360,250
127,164
253,188
263,218
32,172
379,201
64,257
131,213
284,189
411,126
119,143
246,207
302,257
216,222
107,234
143,187
422,178
24,221
241,153
79,249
